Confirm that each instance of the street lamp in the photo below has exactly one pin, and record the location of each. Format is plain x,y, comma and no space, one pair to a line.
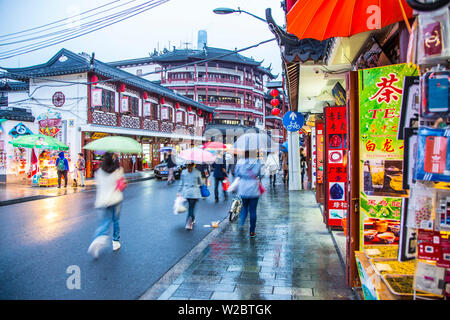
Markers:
229,10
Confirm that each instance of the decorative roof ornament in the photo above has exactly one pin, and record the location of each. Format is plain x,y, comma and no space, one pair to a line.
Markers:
293,48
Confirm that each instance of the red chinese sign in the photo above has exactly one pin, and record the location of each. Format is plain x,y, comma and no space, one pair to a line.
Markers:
319,151
336,164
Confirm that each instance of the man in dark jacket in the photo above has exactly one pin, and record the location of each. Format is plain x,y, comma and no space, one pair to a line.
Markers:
170,167
62,167
220,173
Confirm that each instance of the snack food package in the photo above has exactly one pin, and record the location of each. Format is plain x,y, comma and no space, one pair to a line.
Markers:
421,207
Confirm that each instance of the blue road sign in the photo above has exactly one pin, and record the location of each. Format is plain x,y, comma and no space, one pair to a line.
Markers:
293,121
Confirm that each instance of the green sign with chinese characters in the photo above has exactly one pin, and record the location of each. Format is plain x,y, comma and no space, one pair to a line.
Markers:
381,153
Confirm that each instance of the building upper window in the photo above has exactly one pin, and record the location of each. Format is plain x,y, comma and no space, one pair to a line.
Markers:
108,100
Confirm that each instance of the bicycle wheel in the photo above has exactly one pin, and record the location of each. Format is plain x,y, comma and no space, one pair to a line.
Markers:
233,214
422,6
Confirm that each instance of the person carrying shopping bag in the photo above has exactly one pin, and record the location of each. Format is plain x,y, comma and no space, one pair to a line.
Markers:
272,166
189,188
110,182
248,171
220,173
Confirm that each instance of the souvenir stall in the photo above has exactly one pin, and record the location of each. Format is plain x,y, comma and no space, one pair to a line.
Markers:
404,217
46,174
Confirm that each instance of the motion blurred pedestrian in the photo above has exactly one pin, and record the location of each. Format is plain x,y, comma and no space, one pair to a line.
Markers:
62,167
170,167
220,173
285,167
272,165
189,188
249,172
110,183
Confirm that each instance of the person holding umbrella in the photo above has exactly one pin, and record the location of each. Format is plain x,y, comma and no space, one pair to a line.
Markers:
189,188
109,181
170,166
249,172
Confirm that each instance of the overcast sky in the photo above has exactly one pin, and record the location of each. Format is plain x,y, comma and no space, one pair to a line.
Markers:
174,22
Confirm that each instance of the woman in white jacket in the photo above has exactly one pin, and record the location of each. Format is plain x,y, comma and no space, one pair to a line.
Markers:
108,199
272,166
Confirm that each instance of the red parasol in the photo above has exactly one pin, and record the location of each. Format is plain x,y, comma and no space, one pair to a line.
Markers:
323,19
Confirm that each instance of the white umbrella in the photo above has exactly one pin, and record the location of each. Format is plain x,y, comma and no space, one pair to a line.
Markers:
255,142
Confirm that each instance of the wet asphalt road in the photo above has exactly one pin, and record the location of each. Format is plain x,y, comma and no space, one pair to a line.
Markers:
41,239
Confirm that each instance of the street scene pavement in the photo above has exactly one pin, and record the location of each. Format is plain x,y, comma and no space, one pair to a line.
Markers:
292,257
41,239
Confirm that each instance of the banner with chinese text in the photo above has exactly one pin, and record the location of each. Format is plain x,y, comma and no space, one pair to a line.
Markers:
381,153
336,164
319,154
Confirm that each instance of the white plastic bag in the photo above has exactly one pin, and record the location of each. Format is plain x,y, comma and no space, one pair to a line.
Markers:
178,206
233,187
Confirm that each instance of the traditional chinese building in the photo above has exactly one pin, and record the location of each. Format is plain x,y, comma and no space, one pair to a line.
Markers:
232,84
77,99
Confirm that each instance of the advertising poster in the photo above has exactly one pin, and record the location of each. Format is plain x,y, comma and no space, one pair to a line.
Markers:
319,153
336,164
313,157
381,153
124,104
96,98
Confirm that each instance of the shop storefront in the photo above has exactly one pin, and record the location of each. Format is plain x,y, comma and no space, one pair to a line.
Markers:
382,169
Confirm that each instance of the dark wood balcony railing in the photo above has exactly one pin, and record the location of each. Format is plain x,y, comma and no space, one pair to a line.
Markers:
113,119
214,80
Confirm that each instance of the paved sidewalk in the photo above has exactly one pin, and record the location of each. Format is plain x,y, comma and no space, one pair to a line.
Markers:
292,257
16,193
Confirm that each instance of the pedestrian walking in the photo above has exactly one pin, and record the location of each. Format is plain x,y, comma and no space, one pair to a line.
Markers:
285,167
204,171
249,172
109,181
79,170
272,166
219,173
62,167
189,188
133,162
170,167
303,165
116,160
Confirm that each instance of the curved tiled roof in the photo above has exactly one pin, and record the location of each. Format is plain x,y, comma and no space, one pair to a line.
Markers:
68,62
186,55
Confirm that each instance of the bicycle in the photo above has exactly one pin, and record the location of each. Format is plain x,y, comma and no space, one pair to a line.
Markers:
236,207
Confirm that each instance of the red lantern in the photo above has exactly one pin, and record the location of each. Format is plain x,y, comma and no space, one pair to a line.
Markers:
145,95
275,111
189,108
210,117
177,105
163,101
122,87
274,92
274,102
199,112
94,80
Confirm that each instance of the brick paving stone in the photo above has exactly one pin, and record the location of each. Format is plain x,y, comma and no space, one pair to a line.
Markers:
292,257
